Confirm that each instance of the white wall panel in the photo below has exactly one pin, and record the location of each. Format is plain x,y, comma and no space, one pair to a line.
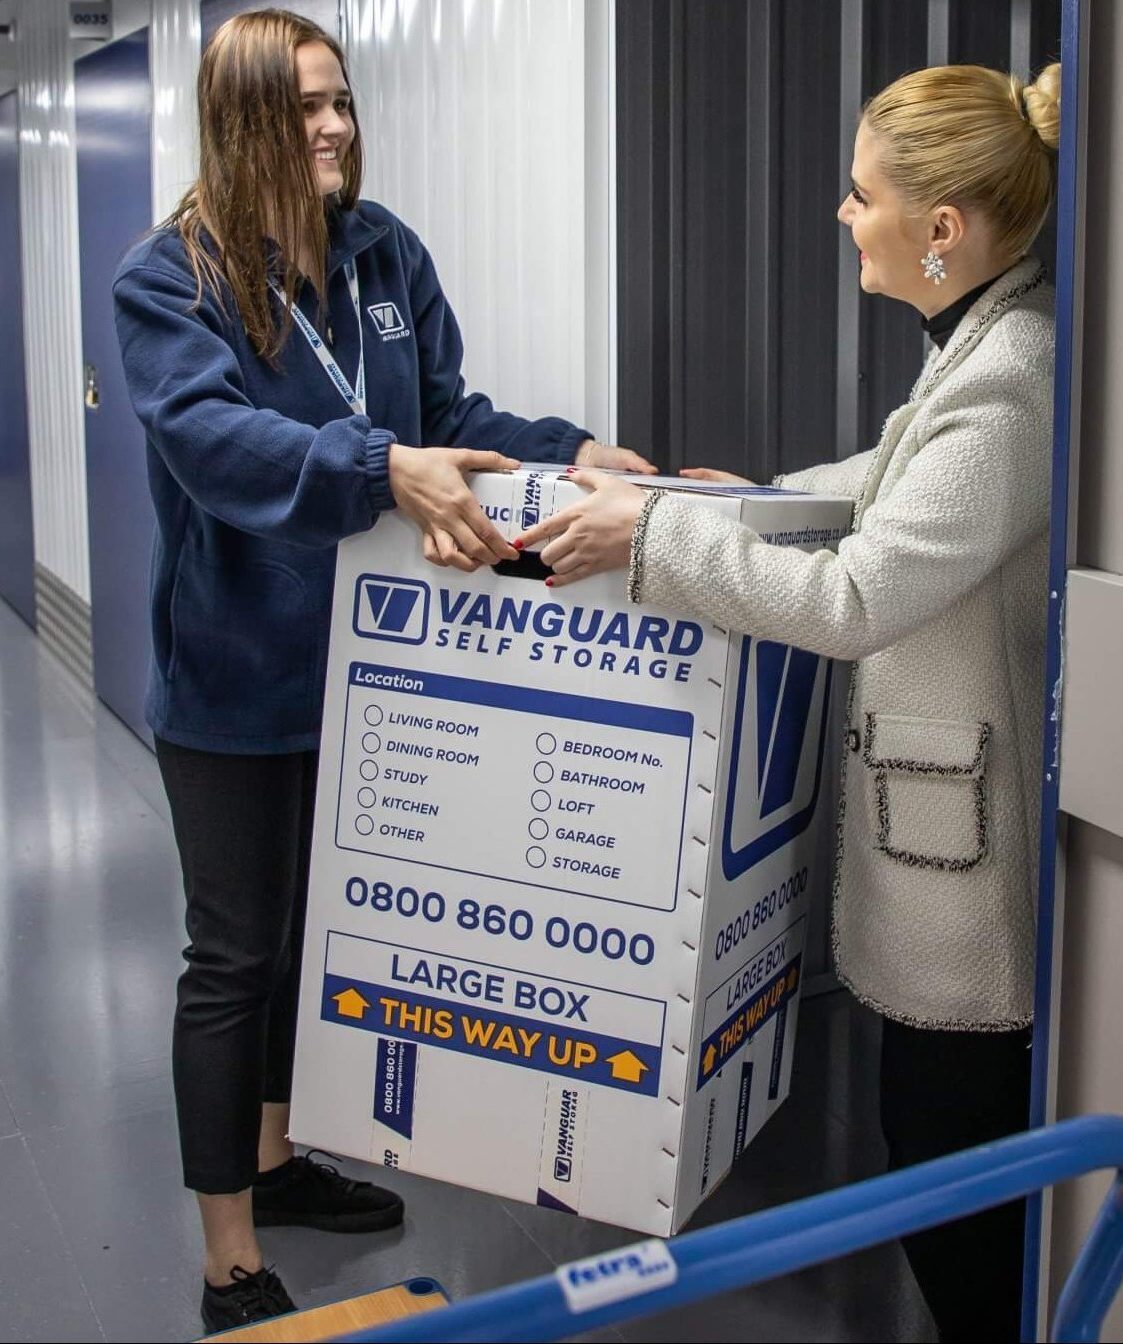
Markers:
174,63
600,332
52,320
488,131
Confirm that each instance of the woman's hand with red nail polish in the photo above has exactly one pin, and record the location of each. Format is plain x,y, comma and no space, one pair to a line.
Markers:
591,536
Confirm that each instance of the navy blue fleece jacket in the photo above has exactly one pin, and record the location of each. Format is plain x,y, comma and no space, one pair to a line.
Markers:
257,473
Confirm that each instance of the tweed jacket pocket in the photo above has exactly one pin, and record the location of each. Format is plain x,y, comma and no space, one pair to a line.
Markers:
930,790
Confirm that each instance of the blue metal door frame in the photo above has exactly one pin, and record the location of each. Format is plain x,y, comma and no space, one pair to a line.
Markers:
1069,279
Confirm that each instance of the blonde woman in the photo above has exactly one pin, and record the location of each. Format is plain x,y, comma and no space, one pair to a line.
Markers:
939,597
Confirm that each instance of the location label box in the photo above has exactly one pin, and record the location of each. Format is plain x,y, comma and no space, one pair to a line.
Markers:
595,789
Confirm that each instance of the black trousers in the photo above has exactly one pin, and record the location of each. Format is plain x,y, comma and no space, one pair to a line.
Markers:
942,1091
243,825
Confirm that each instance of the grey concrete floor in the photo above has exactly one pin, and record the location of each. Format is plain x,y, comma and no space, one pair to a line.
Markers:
98,1239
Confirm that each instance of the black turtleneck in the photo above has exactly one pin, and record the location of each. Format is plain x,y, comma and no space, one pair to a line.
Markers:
941,325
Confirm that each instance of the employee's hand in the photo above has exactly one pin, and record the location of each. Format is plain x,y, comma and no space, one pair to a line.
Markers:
611,458
717,477
429,488
593,535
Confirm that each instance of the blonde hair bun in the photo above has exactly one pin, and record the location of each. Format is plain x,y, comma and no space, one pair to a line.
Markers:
973,137
1042,100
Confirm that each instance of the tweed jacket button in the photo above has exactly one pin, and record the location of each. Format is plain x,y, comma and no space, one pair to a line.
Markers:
853,739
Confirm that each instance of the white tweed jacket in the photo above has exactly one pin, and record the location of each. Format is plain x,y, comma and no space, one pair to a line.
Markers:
939,598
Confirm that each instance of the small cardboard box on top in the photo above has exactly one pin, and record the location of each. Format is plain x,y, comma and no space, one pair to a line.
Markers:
563,856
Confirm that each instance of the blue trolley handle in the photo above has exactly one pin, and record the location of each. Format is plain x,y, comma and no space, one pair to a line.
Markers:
779,1241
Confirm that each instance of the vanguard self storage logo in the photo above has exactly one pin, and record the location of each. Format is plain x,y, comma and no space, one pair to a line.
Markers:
393,609
387,320
532,500
776,762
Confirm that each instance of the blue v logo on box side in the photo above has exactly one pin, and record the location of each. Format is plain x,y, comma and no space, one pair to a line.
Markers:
392,609
776,762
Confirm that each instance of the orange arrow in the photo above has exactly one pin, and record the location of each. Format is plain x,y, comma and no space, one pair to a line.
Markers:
350,1003
627,1066
708,1059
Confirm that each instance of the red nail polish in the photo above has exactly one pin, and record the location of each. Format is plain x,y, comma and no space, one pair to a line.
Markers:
568,470
518,545
550,582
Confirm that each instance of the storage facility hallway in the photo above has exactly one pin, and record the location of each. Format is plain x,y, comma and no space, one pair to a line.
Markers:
603,880
99,1240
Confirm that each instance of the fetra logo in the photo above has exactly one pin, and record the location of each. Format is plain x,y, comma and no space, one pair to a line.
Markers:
776,763
393,609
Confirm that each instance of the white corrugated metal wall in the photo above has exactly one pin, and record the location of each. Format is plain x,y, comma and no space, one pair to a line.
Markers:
174,63
489,130
52,319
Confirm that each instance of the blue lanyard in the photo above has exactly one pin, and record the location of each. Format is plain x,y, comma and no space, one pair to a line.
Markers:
355,397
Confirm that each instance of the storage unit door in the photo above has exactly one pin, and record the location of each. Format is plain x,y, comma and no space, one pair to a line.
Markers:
113,109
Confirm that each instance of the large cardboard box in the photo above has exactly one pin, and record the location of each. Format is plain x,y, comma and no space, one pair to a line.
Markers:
564,849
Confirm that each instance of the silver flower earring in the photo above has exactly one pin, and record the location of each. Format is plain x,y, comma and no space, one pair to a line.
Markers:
934,268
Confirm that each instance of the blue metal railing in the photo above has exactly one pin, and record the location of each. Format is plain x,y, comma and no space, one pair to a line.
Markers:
793,1236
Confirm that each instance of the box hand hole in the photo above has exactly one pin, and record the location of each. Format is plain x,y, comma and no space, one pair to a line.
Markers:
529,565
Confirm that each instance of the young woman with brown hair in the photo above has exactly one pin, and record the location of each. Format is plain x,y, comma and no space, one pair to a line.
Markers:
939,599
285,345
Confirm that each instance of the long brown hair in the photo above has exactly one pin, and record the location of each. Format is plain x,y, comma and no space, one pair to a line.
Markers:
256,177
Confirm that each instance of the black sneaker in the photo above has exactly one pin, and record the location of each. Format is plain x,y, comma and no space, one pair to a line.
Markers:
251,1297
304,1193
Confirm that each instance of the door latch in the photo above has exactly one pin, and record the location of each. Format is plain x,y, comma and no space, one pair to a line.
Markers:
93,391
